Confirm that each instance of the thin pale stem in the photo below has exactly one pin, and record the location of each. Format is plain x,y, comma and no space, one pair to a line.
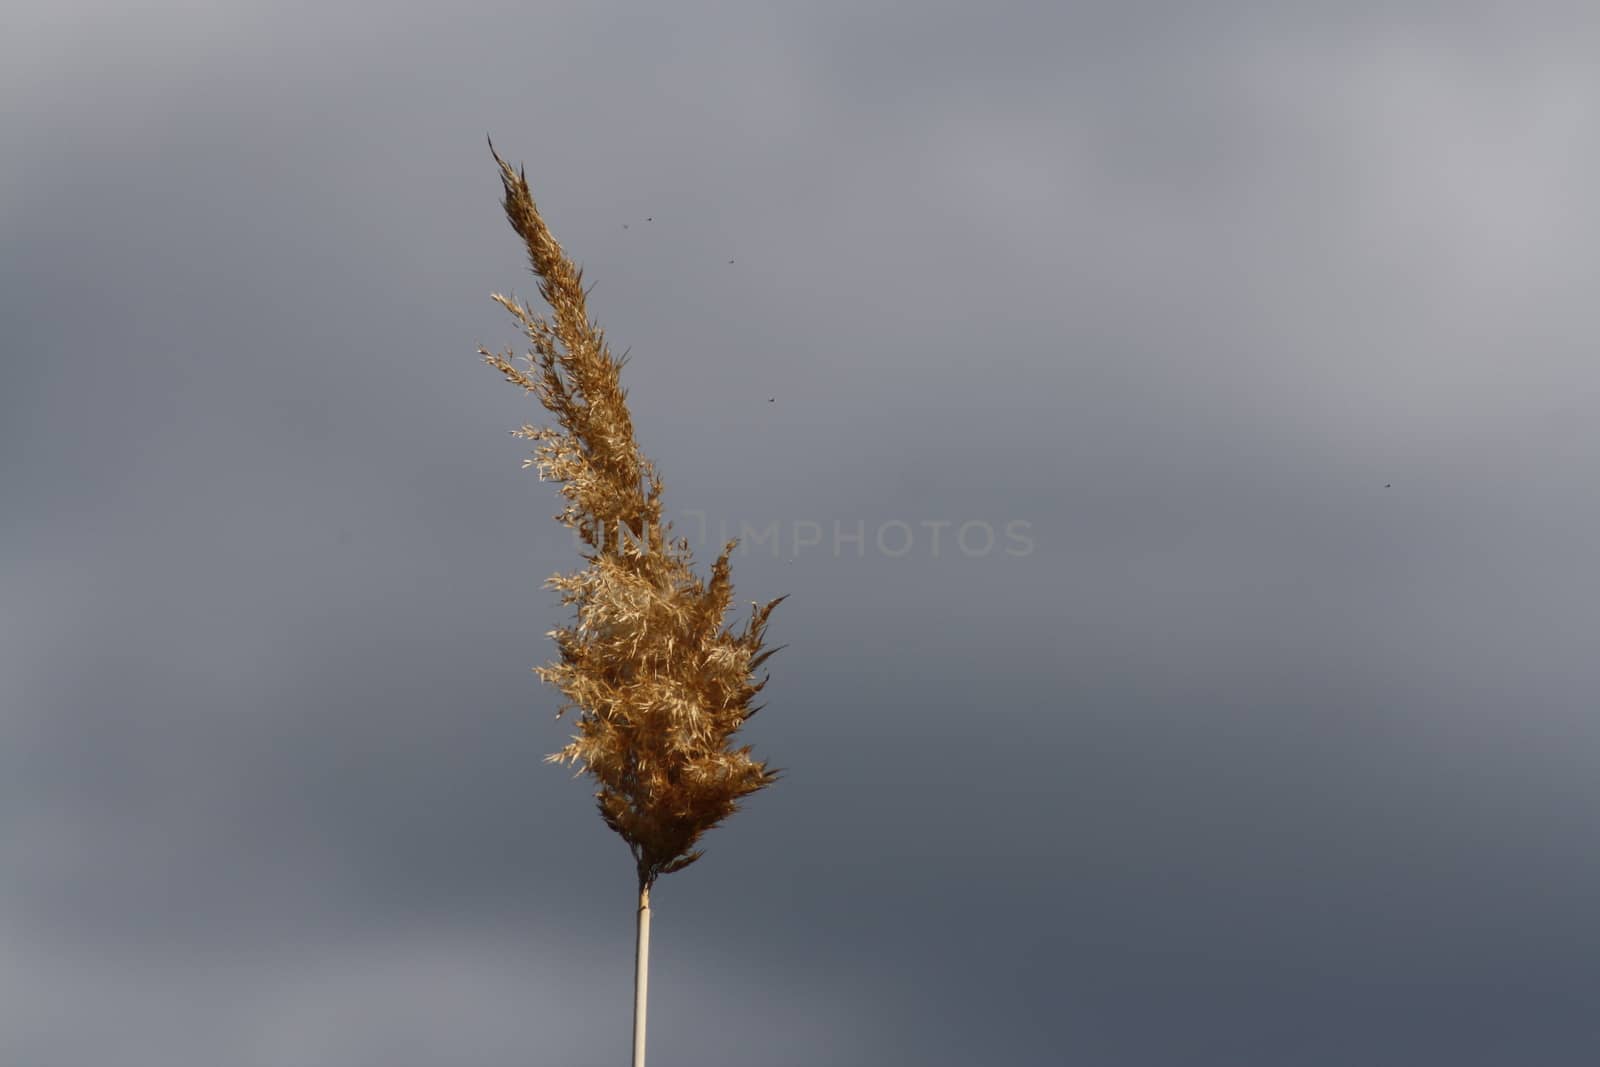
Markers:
641,975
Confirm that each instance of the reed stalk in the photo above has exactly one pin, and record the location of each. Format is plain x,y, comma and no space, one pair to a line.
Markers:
660,685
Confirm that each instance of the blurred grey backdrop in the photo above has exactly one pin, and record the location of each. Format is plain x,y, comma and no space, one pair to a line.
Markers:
1240,357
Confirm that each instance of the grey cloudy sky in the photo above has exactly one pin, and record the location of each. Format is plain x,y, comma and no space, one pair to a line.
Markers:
1272,740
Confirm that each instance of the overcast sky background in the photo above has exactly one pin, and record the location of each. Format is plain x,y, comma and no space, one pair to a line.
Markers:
1272,741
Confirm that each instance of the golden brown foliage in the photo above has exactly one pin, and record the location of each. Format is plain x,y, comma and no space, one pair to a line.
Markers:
661,687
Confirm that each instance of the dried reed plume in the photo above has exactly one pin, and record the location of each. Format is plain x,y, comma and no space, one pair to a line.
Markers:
661,687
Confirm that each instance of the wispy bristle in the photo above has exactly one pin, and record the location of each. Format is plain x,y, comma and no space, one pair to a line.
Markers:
660,686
